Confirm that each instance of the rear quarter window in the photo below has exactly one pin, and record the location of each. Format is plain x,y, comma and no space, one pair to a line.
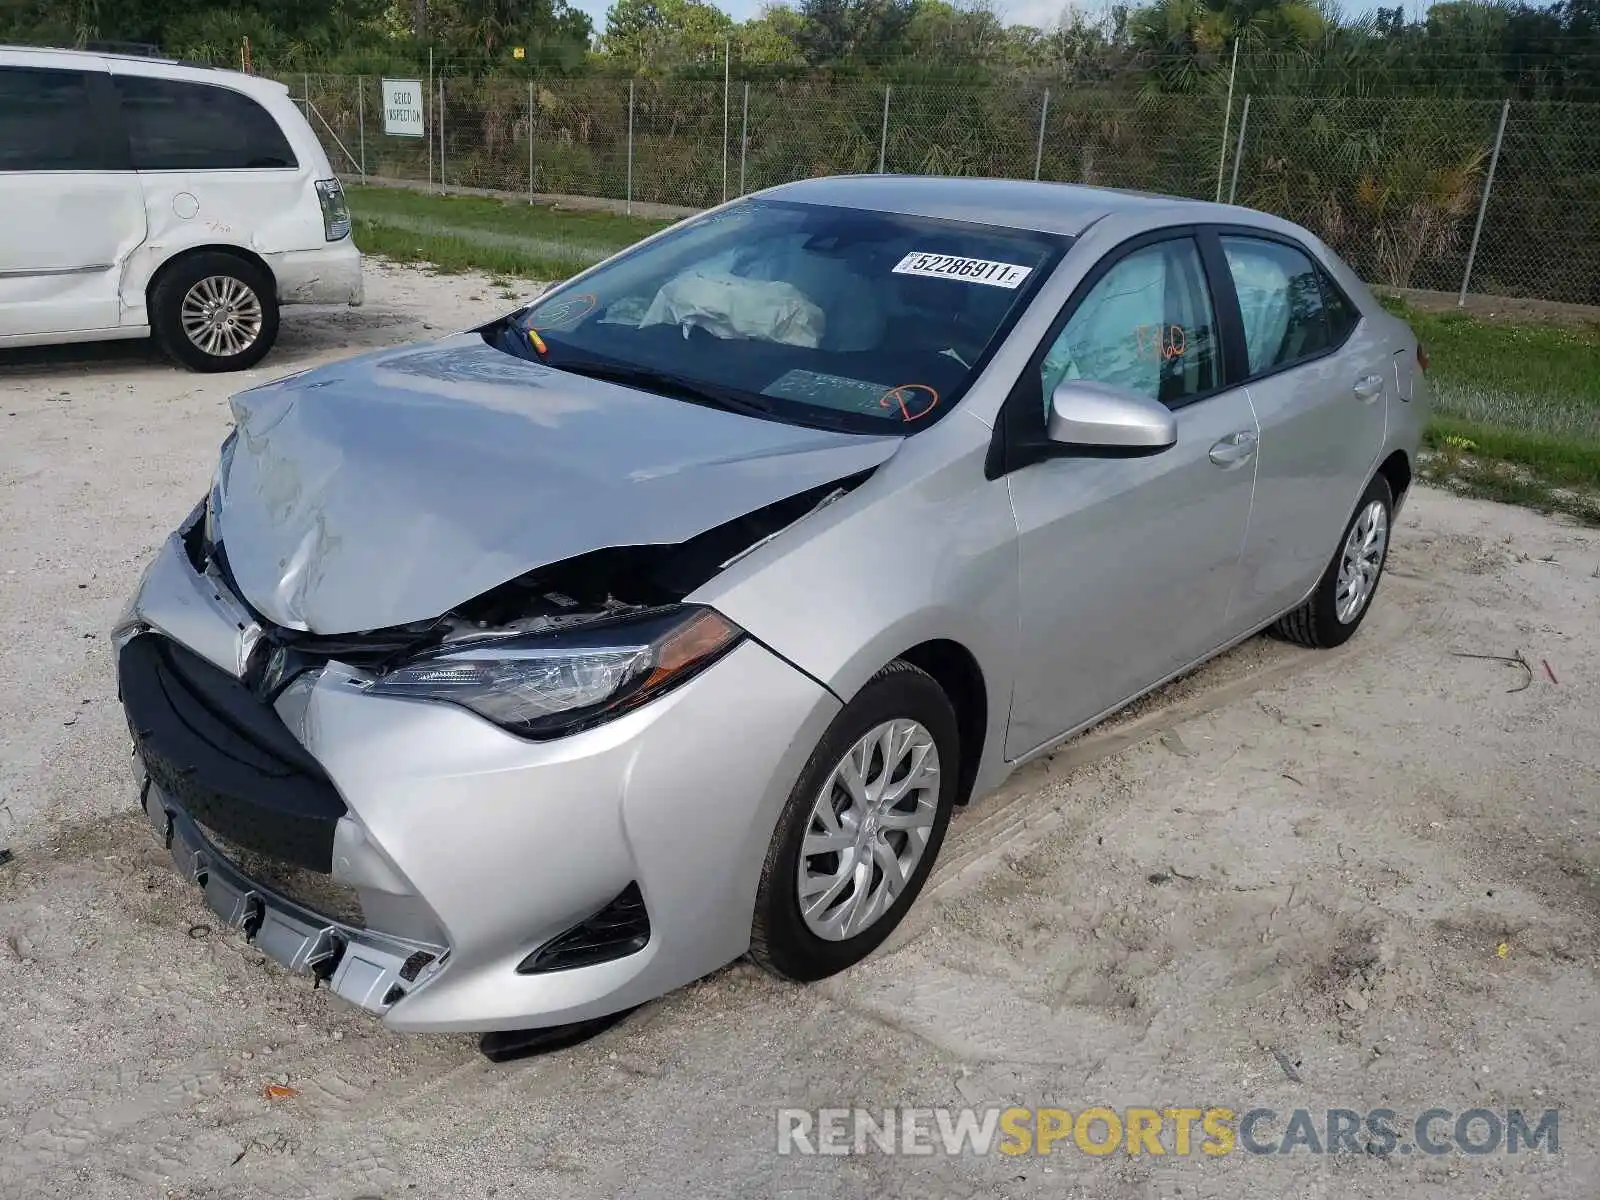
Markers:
175,125
1343,316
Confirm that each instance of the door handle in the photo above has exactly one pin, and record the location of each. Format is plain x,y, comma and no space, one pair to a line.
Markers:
1234,450
1368,388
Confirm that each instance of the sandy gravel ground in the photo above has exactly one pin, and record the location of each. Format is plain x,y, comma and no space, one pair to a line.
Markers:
1317,856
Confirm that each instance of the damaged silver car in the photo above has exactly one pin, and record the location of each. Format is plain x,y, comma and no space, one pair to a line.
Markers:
514,679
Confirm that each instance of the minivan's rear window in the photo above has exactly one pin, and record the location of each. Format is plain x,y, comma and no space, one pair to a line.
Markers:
179,126
47,122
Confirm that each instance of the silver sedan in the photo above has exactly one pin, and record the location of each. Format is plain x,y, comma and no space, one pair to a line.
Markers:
513,679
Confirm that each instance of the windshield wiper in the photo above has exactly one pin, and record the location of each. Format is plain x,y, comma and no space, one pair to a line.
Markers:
666,384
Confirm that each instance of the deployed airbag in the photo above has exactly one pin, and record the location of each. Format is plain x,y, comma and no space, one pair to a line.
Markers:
730,306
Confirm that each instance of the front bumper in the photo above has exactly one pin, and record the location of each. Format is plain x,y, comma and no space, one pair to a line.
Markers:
363,966
477,848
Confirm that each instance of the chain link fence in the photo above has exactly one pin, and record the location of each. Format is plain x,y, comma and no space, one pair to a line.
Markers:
1452,195
1392,185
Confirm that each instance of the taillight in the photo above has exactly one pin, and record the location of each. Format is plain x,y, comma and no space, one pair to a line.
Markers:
1422,356
335,212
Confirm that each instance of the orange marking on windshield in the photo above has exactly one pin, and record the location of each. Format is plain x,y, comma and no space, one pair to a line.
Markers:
915,400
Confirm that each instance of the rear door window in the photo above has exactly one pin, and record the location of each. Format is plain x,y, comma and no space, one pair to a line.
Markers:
174,125
48,123
1281,300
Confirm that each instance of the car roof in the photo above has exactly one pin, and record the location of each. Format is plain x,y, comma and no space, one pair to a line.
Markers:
147,64
1060,208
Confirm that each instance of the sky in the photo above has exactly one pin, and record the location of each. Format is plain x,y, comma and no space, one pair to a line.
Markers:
1015,12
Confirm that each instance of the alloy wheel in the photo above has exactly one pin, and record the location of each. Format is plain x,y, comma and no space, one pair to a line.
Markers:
868,829
221,315
1361,561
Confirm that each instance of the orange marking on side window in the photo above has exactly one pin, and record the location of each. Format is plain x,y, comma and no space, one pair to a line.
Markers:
1161,342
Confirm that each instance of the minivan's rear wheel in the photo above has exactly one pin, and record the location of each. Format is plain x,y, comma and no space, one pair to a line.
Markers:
214,312
1344,593
861,829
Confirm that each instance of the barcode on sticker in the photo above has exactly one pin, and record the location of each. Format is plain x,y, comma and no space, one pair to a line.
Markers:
969,270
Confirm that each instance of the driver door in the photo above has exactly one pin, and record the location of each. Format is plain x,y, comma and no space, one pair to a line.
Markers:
1127,565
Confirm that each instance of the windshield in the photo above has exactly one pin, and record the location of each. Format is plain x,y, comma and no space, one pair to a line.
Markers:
812,314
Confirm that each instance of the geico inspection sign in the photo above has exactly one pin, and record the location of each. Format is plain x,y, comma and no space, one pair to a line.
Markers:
402,107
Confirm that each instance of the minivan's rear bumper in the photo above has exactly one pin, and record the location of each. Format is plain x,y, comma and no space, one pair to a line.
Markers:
330,274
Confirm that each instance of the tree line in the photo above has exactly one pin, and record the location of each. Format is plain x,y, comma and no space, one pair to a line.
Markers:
1465,48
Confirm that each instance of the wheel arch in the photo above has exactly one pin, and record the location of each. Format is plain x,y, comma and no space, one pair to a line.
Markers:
955,669
1396,471
240,252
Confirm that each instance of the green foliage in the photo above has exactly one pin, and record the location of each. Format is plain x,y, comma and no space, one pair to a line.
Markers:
1516,408
1556,362
654,35
466,233
1463,48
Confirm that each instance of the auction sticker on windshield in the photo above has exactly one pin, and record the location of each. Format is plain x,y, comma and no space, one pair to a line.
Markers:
970,270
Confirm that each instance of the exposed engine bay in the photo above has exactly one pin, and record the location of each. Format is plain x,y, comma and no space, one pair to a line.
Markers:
602,584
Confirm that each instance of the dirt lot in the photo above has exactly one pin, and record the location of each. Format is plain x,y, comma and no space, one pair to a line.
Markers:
1317,857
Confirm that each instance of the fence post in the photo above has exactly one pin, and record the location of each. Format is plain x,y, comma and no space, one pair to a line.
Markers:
1238,153
361,120
441,129
744,134
883,137
427,104
1483,203
630,148
1227,118
1038,150
530,141
305,82
725,102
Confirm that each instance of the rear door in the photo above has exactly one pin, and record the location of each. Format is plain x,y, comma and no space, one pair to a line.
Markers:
1320,381
215,165
70,209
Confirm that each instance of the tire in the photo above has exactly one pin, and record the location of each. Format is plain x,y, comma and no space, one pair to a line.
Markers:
783,939
1318,622
241,291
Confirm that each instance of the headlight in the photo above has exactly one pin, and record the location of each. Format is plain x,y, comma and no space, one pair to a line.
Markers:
219,488
550,684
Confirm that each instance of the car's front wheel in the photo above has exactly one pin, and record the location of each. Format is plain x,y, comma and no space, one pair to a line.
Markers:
1335,610
861,829
214,312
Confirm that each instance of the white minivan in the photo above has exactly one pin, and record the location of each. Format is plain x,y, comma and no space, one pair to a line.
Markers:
144,197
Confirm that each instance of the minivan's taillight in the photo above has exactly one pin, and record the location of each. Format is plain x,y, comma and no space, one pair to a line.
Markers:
335,212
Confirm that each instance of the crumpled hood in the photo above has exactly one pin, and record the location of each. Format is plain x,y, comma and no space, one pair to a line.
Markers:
392,487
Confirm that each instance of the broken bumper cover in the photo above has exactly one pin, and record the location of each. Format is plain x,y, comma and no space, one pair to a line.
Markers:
465,841
328,275
363,966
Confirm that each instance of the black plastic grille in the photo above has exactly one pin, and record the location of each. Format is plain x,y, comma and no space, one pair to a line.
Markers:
222,754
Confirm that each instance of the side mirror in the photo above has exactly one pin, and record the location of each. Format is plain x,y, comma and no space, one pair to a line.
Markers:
1113,420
